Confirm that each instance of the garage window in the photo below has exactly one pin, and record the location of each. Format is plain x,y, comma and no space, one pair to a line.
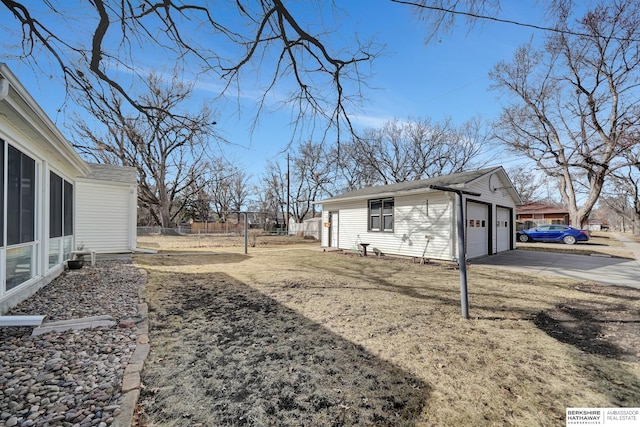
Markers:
381,215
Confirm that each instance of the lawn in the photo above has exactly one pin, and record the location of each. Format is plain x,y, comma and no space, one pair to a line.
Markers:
291,335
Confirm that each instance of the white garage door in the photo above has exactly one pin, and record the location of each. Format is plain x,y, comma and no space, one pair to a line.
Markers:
503,229
477,230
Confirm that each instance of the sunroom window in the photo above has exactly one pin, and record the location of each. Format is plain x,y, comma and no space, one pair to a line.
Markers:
20,217
21,180
60,218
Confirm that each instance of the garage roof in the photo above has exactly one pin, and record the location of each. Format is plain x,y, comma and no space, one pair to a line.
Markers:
456,180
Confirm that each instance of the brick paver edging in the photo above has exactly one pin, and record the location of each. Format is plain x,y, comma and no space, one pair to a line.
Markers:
131,378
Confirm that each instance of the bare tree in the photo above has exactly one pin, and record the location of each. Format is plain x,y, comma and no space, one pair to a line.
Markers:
527,182
239,189
199,207
628,179
351,173
227,187
623,192
311,177
575,101
617,205
225,42
440,15
166,149
272,192
411,150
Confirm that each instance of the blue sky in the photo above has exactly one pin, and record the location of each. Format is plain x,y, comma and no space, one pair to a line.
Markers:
445,78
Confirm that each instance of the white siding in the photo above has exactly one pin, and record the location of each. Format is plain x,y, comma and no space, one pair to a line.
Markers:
352,224
499,197
105,216
422,226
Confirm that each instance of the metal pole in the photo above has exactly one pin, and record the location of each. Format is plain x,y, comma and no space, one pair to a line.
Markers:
462,256
462,260
286,227
246,232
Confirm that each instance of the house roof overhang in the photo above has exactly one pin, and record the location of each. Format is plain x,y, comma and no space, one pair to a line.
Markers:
24,113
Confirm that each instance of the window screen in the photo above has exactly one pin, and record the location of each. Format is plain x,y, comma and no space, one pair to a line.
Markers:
21,171
68,209
55,205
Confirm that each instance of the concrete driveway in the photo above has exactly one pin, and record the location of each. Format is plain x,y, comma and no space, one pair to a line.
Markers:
606,270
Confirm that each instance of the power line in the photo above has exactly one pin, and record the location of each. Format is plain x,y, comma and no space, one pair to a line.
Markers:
512,22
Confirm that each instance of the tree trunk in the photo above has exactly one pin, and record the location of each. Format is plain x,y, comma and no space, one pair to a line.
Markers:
635,226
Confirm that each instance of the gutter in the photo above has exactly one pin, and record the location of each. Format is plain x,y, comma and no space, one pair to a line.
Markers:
428,189
4,89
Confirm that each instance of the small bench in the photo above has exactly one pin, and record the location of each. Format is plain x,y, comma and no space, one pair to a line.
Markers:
76,254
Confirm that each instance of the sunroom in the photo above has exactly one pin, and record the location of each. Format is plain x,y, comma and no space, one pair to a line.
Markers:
37,186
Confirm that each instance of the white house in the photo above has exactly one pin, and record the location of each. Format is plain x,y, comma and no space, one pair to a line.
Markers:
52,200
419,218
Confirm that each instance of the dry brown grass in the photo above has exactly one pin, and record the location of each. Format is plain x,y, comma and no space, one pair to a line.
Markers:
294,336
201,242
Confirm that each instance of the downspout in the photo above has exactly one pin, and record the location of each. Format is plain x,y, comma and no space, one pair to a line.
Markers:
4,89
133,229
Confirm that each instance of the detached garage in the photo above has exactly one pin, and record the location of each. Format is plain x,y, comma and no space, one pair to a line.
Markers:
419,218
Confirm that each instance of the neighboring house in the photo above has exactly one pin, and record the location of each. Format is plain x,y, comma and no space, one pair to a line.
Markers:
598,225
52,201
535,213
413,219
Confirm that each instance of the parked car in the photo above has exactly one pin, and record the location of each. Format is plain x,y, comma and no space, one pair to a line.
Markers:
553,233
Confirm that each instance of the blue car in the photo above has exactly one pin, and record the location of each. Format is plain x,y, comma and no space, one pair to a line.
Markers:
553,233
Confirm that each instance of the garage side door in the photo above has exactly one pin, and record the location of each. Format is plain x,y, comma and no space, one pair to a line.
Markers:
333,229
477,230
503,229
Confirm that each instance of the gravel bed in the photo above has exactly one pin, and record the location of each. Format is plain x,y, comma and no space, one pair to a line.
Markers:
72,378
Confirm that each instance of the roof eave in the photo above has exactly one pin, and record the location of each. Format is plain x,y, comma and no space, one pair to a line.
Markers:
382,195
15,95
